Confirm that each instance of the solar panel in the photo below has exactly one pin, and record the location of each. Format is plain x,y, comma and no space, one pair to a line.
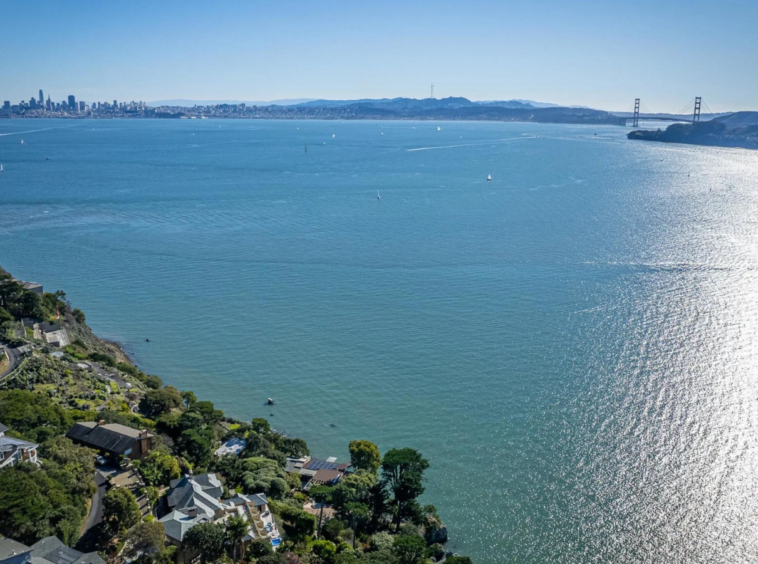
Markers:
316,464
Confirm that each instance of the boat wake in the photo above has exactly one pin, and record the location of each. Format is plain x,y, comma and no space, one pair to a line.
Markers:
471,144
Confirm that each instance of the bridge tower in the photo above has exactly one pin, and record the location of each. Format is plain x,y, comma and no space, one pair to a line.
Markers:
696,111
636,118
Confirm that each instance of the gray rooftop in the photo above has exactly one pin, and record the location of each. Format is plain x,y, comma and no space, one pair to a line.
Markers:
53,550
112,437
9,547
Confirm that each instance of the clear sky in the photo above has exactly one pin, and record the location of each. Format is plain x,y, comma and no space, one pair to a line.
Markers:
600,54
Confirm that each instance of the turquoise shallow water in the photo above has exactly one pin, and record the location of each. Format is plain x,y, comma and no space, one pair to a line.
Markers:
573,345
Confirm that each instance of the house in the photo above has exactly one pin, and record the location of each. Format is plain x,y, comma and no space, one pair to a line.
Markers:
197,499
315,471
30,286
52,333
113,439
49,550
13,451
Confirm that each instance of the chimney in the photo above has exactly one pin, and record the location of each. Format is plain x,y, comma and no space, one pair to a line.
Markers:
143,433
192,511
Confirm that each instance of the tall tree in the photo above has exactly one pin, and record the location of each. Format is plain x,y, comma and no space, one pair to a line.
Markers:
403,473
206,540
120,509
364,455
358,515
144,539
410,549
321,495
236,527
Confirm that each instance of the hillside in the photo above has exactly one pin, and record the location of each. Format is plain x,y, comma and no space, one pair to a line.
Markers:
739,119
728,131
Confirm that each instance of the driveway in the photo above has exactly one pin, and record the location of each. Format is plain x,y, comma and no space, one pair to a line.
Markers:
89,539
96,509
14,357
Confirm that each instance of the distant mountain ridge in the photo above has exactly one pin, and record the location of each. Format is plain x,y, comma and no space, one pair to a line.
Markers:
187,103
416,103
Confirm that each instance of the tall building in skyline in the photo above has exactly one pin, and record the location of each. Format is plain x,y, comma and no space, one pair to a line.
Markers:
41,97
72,103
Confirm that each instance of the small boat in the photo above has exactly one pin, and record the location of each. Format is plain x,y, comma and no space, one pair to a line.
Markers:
439,128
47,158
378,197
22,142
270,401
306,148
1,168
147,340
334,135
382,132
489,178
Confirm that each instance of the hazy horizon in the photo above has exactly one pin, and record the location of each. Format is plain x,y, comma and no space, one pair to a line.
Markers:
588,54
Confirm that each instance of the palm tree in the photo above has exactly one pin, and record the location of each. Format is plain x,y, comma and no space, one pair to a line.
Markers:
236,527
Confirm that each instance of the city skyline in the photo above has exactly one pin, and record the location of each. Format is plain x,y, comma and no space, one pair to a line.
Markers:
588,53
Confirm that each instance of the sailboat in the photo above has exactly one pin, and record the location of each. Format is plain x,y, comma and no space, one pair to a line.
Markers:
489,178
439,128
378,197
306,148
22,142
1,168
334,135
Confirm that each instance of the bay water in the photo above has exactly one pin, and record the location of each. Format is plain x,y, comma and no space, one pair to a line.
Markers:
572,345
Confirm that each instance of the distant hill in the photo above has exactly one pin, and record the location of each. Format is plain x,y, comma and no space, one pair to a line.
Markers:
414,103
739,119
185,103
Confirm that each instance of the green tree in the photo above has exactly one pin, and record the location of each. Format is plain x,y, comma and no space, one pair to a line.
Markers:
236,528
120,509
332,530
364,455
144,539
298,523
259,547
261,426
321,495
410,549
159,402
358,515
458,560
206,540
197,446
325,550
158,468
189,399
403,473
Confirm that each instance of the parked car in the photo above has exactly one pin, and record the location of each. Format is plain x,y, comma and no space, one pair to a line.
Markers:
100,461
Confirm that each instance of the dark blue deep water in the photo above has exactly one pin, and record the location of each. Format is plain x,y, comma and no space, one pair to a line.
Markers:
573,345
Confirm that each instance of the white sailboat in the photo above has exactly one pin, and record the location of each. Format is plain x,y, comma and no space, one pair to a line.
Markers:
439,128
1,168
489,178
22,142
334,135
378,197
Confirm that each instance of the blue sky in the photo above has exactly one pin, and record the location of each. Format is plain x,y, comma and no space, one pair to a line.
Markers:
599,54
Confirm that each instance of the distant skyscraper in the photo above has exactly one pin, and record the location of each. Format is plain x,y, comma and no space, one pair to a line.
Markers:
81,106
72,103
41,97
49,105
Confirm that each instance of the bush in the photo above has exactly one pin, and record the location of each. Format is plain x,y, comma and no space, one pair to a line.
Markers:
381,541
